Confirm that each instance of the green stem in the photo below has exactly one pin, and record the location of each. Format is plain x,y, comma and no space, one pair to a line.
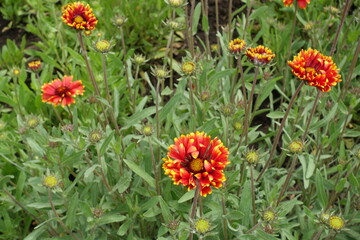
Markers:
125,63
230,19
350,72
223,204
294,161
91,73
343,16
112,116
192,49
277,137
217,26
58,217
51,230
193,207
289,51
156,172
253,193
249,107
192,104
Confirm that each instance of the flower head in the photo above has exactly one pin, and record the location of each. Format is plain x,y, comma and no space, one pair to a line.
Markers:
252,157
175,3
301,3
236,46
34,65
102,46
62,91
260,55
316,69
79,16
119,20
16,72
139,59
269,215
336,222
202,226
197,157
147,130
95,136
50,181
296,146
174,25
32,121
188,68
160,72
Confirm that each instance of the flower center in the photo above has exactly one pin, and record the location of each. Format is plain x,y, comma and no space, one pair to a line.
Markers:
310,69
196,165
61,91
78,19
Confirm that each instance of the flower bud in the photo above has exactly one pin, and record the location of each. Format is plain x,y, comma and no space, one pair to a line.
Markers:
188,68
50,181
202,226
95,136
336,223
296,146
102,46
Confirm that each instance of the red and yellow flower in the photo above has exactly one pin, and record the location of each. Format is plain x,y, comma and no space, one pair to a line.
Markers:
79,16
236,46
316,69
301,3
34,65
62,91
196,157
260,55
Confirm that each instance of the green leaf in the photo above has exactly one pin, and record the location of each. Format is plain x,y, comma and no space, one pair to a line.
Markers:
196,18
7,100
165,211
20,185
138,116
353,180
141,172
205,23
35,234
265,92
110,219
124,227
73,158
170,106
340,186
106,143
71,212
320,190
275,114
187,196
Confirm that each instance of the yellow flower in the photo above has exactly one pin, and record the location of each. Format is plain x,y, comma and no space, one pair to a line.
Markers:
296,146
252,157
269,215
336,223
202,226
188,68
102,46
50,181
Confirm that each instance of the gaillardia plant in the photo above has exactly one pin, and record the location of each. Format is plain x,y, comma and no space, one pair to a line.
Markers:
62,91
197,157
79,16
316,69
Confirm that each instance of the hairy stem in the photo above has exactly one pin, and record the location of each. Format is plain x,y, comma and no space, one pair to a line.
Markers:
277,137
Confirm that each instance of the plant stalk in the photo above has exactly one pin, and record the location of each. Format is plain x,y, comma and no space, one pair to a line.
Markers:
277,137
193,207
